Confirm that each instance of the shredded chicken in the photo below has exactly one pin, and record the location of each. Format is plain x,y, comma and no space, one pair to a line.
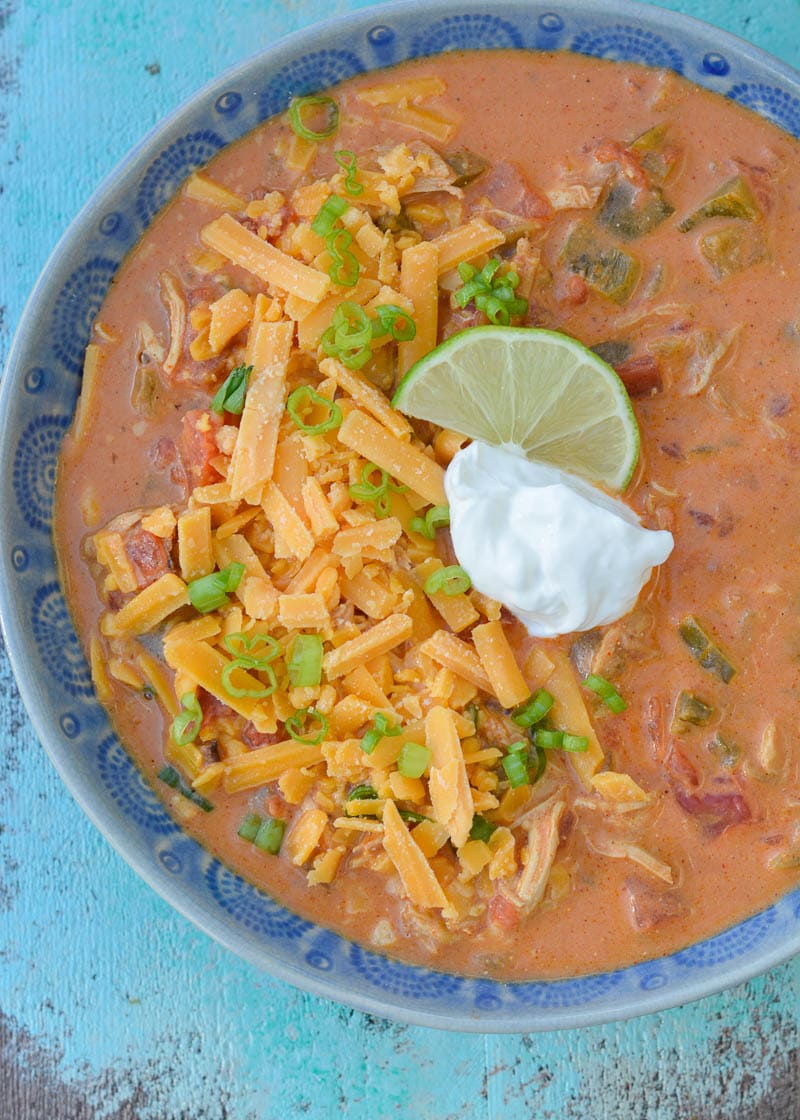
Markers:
709,354
147,344
542,826
175,303
625,849
577,196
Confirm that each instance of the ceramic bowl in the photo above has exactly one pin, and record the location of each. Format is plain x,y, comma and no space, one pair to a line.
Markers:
38,395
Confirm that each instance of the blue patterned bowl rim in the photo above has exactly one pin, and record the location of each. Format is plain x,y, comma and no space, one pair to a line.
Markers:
37,396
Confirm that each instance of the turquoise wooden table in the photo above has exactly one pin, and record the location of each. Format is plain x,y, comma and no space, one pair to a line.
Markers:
113,1006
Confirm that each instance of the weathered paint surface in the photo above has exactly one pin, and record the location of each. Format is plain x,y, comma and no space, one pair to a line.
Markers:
112,1006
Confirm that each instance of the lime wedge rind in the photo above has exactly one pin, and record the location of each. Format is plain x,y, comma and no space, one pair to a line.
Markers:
536,389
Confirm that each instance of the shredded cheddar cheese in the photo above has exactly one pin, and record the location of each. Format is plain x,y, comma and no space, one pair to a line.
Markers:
328,677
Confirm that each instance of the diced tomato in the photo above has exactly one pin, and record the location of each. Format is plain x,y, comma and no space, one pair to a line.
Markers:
148,555
212,708
509,190
456,319
611,151
205,293
714,811
256,739
503,913
276,807
115,600
163,453
681,769
576,291
650,906
641,376
198,446
272,224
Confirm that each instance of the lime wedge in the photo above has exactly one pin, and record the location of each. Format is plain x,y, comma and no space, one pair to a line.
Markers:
533,389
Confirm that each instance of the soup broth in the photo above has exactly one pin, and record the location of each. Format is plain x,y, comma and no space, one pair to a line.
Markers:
647,218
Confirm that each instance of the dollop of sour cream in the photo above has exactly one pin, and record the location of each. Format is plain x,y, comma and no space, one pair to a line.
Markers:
557,551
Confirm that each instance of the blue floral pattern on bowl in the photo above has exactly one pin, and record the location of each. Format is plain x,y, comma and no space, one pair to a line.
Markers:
402,979
467,32
728,945
251,907
567,993
629,44
47,357
166,173
311,72
57,643
128,788
771,102
34,471
77,304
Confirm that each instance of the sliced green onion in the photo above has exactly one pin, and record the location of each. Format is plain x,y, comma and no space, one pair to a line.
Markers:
515,765
348,337
381,729
393,320
344,269
492,294
559,740
210,592
270,836
300,106
186,727
328,214
243,648
375,492
452,580
231,393
417,525
249,663
520,747
244,657
494,309
362,793
370,740
575,743
413,760
532,710
294,725
481,828
606,691
302,398
249,827
541,764
437,517
548,740
266,833
170,776
348,163
305,661
411,817
366,490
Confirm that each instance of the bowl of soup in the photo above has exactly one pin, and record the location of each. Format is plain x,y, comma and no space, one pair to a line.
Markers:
229,591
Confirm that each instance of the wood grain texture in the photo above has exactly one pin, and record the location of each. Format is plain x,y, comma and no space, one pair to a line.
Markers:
111,1005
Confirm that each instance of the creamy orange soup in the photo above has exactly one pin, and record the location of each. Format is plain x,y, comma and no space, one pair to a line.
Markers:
645,217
